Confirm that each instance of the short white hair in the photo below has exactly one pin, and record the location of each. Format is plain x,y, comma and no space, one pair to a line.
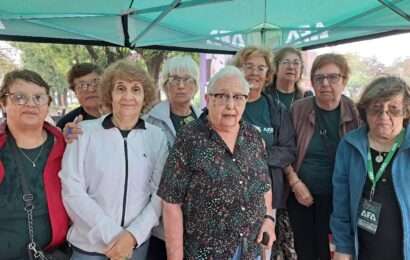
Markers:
228,71
179,65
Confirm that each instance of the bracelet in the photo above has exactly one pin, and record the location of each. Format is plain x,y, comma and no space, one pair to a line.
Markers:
269,217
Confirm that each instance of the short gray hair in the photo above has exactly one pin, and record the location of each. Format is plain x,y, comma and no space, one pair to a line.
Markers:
228,71
178,65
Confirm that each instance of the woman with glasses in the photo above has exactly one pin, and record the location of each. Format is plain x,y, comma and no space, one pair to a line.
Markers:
31,151
215,187
371,206
273,121
83,79
289,66
110,175
179,79
320,122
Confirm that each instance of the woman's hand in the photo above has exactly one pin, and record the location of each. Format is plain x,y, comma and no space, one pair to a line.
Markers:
302,193
122,246
341,256
72,130
268,226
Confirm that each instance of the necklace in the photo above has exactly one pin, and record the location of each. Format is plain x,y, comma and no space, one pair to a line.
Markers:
293,97
379,158
33,162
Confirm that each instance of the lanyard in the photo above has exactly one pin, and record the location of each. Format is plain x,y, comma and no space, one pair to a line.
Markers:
370,171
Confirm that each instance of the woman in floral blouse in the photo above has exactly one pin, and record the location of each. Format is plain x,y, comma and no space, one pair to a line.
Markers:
215,186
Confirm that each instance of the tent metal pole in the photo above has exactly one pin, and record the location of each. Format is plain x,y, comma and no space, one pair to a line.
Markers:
395,9
157,20
124,24
181,5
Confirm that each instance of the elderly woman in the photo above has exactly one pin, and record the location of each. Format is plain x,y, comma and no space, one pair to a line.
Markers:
179,79
216,188
320,122
273,121
371,212
111,173
288,64
30,155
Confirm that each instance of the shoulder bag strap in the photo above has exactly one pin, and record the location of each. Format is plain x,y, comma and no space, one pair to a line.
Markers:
28,205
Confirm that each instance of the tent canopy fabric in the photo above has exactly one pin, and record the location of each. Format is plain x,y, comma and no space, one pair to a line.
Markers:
202,25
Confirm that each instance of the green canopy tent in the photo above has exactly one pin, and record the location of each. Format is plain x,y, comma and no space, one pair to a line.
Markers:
202,25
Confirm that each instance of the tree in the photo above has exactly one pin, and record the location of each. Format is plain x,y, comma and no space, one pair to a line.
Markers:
52,61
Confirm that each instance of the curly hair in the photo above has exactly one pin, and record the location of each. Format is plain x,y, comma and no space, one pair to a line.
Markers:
128,71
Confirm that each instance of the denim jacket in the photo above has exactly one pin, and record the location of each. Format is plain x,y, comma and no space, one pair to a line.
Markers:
349,178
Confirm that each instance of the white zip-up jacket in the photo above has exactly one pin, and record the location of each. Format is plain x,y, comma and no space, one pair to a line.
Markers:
109,183
160,115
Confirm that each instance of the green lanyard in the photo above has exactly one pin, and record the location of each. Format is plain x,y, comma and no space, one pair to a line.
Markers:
370,171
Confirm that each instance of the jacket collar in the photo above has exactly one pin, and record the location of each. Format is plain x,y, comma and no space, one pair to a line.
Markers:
58,136
162,112
346,113
108,124
358,139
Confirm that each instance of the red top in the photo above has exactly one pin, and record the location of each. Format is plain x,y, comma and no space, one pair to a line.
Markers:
52,185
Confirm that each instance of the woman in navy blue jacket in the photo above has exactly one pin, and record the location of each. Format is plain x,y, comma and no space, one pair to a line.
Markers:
371,216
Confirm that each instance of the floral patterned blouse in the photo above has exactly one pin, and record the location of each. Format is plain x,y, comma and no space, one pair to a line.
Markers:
222,193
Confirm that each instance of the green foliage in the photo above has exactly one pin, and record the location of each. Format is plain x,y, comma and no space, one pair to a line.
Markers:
52,61
363,70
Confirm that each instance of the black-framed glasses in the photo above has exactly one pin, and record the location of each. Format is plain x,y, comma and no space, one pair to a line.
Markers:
249,67
177,80
223,98
286,62
87,85
393,111
332,78
21,99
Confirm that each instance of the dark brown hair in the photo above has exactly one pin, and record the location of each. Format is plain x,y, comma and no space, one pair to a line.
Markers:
80,70
25,75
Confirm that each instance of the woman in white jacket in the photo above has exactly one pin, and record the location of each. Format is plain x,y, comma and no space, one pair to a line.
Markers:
179,79
110,175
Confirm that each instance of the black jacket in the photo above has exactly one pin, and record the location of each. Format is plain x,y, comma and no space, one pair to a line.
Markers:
283,152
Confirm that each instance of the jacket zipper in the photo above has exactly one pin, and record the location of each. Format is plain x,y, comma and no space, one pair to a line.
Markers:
124,201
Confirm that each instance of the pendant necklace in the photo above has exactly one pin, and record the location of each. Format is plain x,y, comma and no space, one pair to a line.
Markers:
33,162
379,158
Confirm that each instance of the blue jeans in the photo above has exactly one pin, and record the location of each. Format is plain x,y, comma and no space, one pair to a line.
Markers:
140,253
238,254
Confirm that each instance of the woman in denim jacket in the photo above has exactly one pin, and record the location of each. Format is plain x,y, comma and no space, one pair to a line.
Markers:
371,212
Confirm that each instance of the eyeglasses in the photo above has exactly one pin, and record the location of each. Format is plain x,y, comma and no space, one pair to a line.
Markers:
379,111
249,67
332,78
296,63
223,98
87,85
22,99
135,90
176,80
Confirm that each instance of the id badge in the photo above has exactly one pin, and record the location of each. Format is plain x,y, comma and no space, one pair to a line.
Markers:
369,213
